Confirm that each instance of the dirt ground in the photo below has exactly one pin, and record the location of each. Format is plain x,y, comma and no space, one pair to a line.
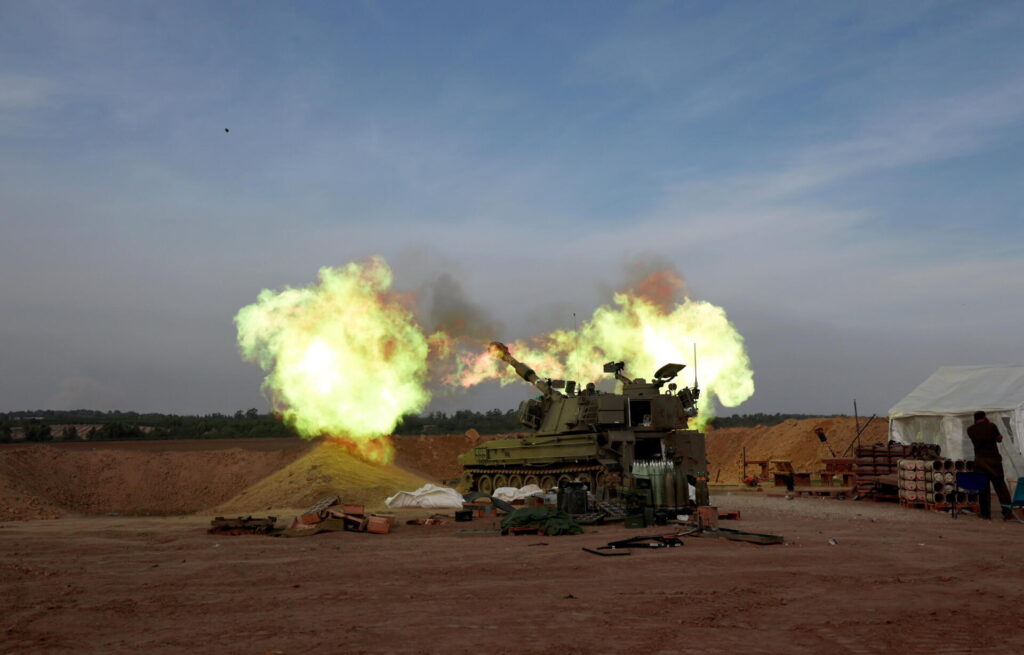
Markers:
895,580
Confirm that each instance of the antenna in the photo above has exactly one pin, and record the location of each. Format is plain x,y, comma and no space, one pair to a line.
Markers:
695,386
576,374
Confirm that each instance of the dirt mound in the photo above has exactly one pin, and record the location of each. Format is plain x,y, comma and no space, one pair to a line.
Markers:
20,504
327,469
435,457
47,481
242,476
43,481
792,440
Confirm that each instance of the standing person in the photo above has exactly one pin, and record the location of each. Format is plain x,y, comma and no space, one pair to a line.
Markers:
987,460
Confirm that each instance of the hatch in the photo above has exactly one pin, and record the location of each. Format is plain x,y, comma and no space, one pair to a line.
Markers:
668,371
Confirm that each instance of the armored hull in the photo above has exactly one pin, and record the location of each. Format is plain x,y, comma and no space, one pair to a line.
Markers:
598,438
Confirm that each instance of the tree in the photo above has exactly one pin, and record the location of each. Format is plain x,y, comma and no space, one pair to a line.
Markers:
69,433
38,431
117,430
252,413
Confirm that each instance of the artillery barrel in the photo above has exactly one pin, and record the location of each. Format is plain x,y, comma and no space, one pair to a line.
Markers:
500,351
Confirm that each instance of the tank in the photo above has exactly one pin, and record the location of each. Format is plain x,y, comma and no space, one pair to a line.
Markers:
637,439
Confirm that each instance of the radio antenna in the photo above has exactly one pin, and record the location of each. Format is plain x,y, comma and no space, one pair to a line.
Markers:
576,374
695,386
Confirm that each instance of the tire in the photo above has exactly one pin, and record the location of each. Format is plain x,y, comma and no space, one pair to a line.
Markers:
484,484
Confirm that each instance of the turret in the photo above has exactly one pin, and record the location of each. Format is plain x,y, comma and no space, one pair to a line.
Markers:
500,351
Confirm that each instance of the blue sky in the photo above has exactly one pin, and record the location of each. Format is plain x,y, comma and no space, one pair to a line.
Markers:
844,178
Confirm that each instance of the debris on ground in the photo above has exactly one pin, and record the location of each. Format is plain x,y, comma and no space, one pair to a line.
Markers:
547,520
655,541
430,521
479,500
242,525
329,514
739,535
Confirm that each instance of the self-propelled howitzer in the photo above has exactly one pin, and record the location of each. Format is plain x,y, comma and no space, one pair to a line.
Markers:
607,440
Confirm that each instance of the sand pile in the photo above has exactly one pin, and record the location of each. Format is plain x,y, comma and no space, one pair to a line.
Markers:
434,456
792,440
47,481
325,470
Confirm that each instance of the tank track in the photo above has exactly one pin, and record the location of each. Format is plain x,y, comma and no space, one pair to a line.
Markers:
485,479
556,470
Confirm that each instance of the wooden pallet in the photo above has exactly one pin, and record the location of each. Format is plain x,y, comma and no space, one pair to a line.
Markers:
823,491
941,507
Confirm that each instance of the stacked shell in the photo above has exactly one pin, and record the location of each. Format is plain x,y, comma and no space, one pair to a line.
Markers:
933,482
668,484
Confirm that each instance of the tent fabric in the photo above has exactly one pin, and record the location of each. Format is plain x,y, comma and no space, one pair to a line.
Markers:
429,496
965,390
941,409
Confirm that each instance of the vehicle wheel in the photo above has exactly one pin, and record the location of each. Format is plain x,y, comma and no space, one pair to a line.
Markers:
485,485
515,480
562,479
547,482
500,480
531,479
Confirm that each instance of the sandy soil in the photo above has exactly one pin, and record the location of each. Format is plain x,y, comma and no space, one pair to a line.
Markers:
137,478
791,440
895,580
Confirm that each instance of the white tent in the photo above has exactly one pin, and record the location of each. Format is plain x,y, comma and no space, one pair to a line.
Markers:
942,407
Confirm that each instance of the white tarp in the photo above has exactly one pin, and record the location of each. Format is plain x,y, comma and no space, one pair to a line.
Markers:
941,409
510,494
429,496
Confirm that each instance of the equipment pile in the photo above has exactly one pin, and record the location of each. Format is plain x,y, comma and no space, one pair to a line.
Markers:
876,462
326,515
932,484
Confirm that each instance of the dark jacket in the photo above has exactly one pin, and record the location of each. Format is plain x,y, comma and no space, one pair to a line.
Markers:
985,437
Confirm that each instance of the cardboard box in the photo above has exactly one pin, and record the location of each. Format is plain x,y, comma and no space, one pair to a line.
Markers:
707,517
378,525
311,518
